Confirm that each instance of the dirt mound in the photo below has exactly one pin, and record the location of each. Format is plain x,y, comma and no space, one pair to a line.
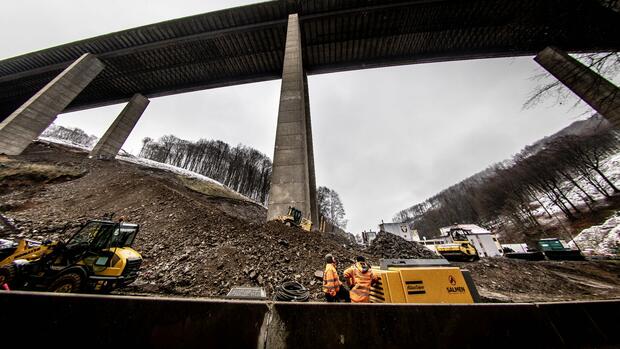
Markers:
15,174
210,261
387,245
193,244
510,280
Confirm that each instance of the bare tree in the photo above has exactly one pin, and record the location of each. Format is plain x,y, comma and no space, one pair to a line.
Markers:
241,168
75,135
331,207
555,174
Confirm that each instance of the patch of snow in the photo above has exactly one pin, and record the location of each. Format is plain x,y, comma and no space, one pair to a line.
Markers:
124,156
612,167
154,164
63,142
600,239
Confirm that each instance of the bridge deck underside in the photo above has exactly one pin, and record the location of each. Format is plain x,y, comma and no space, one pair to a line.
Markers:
246,44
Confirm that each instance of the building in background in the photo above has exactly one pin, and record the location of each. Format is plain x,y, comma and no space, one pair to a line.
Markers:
403,230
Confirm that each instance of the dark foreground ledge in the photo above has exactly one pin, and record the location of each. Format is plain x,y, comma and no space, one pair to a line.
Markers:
106,321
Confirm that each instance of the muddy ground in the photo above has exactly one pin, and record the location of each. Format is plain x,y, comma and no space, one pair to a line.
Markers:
199,245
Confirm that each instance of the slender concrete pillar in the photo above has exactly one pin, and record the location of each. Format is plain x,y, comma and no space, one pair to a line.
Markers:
594,89
292,180
116,135
34,116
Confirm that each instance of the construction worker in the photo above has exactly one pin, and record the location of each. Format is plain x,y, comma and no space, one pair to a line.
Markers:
332,287
359,278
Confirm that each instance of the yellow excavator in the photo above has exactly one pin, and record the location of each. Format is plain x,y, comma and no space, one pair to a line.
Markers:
294,218
97,258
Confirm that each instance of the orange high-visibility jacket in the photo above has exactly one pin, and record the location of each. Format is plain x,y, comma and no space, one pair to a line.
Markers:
331,282
360,280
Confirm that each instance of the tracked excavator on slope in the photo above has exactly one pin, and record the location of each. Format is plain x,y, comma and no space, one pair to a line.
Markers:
294,218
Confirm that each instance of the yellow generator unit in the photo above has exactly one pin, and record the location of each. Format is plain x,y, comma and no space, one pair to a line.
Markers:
422,281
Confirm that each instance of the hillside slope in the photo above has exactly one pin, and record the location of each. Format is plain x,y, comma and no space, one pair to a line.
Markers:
195,244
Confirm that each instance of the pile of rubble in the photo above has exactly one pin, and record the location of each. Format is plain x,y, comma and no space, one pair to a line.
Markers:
192,244
212,261
387,245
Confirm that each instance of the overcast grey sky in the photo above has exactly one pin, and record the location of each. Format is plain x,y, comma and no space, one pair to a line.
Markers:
384,139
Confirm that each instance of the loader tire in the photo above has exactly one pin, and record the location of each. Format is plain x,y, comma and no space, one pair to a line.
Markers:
7,274
67,283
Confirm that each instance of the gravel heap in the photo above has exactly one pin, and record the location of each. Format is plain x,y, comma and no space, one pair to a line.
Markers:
387,245
208,262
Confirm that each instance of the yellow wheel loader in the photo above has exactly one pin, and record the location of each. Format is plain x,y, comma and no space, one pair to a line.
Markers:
294,218
97,258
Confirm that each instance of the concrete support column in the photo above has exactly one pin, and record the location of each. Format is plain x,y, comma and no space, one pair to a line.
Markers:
292,180
116,135
594,89
33,117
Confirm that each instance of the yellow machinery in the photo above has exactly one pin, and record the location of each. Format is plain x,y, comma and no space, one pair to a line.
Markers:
422,281
460,249
294,218
98,258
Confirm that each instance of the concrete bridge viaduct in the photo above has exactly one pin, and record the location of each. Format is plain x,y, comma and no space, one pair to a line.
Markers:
289,40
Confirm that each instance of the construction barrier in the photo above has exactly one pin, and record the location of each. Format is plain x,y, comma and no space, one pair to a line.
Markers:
191,323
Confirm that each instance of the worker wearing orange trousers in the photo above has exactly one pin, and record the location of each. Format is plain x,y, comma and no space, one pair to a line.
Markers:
360,278
332,287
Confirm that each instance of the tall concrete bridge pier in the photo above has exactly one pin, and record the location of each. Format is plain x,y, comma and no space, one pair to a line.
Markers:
290,40
292,180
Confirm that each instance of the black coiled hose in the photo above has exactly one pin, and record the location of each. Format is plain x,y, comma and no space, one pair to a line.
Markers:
291,291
